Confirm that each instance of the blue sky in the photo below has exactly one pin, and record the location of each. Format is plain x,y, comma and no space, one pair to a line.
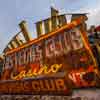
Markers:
12,12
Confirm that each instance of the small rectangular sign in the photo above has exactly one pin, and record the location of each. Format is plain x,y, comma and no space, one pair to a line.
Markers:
42,86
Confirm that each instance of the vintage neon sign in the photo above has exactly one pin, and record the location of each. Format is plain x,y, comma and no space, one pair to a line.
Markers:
65,48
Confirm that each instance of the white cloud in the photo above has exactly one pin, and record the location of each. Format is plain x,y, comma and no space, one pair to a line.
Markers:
93,14
94,17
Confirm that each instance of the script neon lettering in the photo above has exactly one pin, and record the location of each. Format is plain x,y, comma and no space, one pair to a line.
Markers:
43,70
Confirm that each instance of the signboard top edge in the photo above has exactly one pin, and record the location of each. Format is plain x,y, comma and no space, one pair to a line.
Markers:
65,27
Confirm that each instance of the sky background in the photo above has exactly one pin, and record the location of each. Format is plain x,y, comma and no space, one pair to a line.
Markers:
12,12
